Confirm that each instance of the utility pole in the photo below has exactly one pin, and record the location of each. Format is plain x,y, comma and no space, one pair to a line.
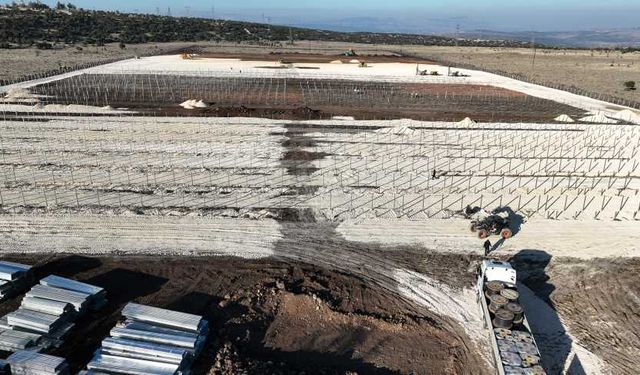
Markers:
213,12
168,11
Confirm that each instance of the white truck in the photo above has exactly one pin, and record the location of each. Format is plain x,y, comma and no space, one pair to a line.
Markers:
514,348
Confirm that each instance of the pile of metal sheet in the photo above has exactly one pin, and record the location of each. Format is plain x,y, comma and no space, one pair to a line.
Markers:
25,362
14,278
47,313
96,296
150,341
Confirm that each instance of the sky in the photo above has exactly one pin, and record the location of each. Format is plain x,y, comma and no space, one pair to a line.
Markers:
420,16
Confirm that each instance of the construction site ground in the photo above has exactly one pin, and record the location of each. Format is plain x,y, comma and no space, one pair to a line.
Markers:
332,246
269,316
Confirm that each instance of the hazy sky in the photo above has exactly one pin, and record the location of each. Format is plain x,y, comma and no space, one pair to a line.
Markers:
418,15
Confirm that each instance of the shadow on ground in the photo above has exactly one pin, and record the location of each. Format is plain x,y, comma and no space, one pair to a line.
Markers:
535,289
122,286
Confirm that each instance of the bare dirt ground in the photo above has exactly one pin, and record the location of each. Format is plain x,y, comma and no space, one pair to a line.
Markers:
305,99
598,300
268,316
299,57
596,71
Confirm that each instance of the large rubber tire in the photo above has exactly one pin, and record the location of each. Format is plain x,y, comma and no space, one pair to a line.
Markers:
506,233
483,233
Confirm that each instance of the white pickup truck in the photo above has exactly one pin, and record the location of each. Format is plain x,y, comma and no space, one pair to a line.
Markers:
514,348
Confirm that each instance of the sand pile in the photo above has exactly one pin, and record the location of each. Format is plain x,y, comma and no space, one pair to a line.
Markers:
19,95
467,122
564,118
629,116
598,118
192,104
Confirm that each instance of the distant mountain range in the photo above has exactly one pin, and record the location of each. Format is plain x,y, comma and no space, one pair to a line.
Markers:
583,39
470,28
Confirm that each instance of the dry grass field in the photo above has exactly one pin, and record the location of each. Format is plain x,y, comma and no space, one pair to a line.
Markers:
16,63
595,71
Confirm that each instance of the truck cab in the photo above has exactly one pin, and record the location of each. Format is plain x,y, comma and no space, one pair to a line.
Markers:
494,270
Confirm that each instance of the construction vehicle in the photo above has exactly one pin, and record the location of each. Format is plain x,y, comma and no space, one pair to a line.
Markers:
350,53
514,348
486,224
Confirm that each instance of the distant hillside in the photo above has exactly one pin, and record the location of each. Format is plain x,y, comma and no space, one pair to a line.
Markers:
580,39
37,25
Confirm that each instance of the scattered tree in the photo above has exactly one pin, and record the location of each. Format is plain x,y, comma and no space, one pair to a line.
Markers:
37,5
630,85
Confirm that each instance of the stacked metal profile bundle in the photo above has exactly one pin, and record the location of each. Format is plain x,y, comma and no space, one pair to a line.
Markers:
95,296
14,278
151,340
26,362
47,312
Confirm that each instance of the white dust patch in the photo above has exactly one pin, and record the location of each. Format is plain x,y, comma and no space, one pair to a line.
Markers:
564,118
557,346
192,104
439,298
58,108
343,118
137,235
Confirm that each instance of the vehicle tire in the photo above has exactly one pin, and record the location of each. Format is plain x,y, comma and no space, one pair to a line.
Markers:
472,227
506,233
482,233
